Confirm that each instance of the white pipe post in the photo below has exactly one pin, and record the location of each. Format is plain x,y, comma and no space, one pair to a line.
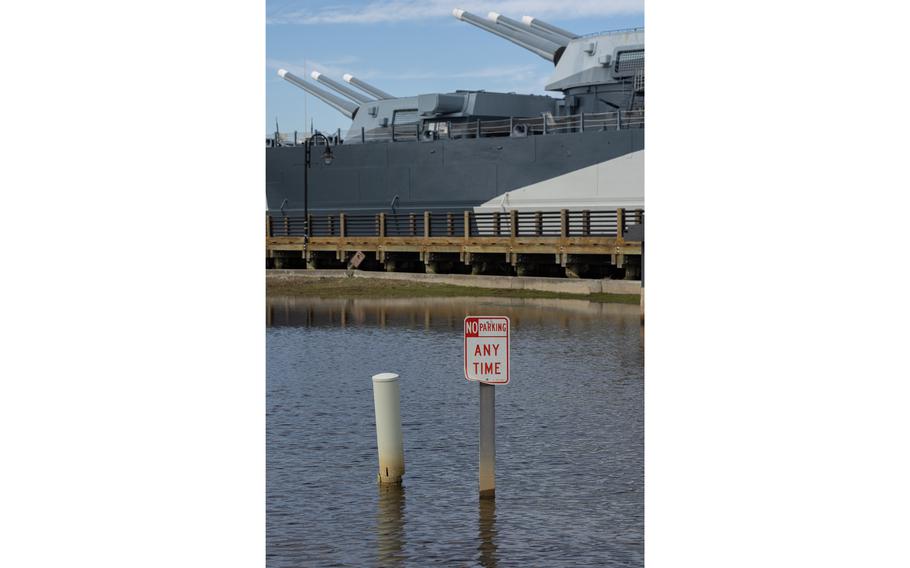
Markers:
389,443
487,441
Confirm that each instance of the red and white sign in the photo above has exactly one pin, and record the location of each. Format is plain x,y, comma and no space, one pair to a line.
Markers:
486,349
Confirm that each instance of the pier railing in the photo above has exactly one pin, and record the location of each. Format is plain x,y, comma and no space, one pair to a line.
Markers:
556,224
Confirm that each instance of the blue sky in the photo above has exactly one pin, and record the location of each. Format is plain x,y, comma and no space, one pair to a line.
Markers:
410,47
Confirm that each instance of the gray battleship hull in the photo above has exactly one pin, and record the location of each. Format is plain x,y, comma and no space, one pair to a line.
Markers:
582,170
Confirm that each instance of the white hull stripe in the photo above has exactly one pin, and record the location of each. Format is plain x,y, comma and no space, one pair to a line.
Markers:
608,185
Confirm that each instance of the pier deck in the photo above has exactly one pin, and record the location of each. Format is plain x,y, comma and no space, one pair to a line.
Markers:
565,235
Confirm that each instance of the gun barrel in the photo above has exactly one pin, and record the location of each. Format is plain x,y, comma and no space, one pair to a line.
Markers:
343,89
341,105
520,27
366,87
541,25
541,47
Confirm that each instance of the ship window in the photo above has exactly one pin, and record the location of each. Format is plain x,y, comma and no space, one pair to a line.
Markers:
629,62
407,116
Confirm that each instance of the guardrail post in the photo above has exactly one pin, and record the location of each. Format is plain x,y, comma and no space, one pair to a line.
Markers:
586,222
620,222
287,226
450,224
331,225
496,224
413,222
426,224
563,223
467,224
341,224
382,224
539,223
513,223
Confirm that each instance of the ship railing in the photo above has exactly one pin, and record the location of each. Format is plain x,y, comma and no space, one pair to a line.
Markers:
516,126
607,32
557,224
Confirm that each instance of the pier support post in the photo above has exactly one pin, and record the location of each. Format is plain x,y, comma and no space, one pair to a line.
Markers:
487,441
389,442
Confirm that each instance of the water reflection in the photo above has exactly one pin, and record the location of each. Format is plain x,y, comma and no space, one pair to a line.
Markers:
290,311
486,528
390,525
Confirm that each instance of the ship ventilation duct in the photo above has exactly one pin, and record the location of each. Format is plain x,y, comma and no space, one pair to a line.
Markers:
546,49
341,105
366,87
343,89
517,26
534,23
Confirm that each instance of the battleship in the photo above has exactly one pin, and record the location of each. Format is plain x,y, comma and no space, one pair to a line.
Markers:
475,150
482,150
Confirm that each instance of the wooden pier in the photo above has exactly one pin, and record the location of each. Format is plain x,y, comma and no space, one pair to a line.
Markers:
521,239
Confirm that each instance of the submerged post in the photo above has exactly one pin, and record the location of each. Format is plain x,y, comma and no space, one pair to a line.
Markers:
487,441
486,360
389,442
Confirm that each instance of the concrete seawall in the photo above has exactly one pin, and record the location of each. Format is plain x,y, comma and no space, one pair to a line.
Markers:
559,285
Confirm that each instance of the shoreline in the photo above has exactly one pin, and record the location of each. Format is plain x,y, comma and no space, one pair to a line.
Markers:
362,284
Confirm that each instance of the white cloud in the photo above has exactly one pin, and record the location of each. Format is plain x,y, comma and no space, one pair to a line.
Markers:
403,10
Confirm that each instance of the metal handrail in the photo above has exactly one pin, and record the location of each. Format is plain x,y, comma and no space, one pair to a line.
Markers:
556,224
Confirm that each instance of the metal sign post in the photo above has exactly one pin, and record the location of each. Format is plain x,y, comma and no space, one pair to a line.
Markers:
486,361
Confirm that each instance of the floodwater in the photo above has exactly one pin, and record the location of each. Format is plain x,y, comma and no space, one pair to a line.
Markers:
569,436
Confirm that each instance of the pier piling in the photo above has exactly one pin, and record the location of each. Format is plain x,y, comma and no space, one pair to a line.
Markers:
389,442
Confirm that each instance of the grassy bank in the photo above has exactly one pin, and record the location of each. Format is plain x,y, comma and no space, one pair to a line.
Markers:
369,288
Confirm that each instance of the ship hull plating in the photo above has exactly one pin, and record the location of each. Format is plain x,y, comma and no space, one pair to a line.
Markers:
583,170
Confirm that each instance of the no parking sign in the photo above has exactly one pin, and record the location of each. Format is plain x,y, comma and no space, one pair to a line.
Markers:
486,349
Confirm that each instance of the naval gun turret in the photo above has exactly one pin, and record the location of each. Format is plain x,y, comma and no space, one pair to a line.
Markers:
342,106
596,74
338,87
366,87
534,43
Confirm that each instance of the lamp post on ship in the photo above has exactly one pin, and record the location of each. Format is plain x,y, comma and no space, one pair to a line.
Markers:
327,158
